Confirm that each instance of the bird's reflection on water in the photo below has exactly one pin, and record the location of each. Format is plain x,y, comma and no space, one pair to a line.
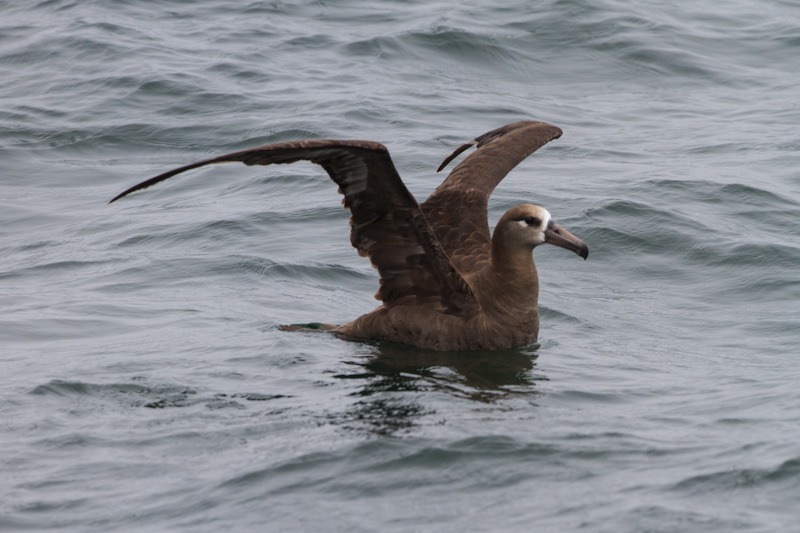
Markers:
387,371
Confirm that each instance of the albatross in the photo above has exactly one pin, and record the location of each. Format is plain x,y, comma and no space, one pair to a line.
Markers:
446,282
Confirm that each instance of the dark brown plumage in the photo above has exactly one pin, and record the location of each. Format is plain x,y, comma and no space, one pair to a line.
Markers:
446,283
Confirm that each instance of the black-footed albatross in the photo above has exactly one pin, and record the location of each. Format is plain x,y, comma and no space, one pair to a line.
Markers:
445,282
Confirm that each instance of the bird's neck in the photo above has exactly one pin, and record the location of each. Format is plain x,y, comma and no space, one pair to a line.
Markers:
512,278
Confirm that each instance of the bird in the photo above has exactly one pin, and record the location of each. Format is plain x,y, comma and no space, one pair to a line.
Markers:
446,282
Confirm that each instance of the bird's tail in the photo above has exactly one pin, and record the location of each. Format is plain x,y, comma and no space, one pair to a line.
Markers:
314,326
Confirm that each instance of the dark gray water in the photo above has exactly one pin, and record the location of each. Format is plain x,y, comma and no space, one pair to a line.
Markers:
145,385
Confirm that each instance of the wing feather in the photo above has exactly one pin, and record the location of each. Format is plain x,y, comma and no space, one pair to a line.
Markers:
457,210
387,224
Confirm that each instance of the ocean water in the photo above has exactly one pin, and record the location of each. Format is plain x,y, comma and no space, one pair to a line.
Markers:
145,385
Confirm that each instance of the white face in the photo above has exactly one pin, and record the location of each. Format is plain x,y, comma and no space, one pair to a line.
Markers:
535,223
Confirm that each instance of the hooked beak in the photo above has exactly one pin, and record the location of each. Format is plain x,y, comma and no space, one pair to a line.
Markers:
555,234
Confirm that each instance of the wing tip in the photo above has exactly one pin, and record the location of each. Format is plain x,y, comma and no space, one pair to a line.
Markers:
455,154
139,186
489,136
166,175
135,188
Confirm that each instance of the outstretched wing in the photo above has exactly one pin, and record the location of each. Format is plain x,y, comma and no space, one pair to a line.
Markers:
387,224
457,210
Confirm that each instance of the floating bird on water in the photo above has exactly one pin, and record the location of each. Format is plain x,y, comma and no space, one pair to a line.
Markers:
446,282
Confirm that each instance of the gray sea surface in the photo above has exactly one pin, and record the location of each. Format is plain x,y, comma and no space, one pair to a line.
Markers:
145,385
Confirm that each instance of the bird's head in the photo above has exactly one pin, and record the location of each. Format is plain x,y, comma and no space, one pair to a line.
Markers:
529,226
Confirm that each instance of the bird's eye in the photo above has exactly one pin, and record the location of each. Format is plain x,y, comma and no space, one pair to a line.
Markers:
532,221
